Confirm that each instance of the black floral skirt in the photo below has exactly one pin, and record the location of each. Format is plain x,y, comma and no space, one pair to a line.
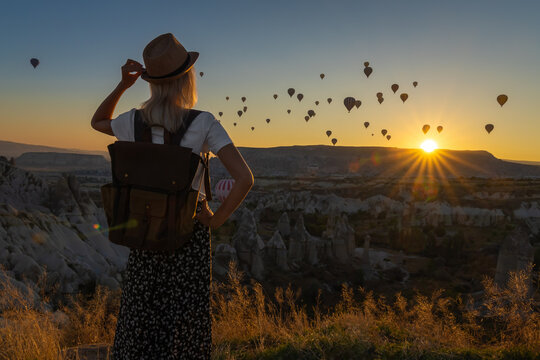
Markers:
165,305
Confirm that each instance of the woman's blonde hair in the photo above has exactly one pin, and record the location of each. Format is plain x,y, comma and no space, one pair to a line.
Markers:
169,101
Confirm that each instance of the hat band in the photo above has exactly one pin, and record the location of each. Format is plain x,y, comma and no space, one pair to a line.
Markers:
175,72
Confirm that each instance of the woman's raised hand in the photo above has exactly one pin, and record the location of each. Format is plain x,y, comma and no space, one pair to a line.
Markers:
131,66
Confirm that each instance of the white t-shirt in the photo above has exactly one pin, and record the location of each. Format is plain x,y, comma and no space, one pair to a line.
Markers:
204,134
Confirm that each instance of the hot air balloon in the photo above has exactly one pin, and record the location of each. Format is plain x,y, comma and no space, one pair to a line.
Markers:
403,97
366,124
234,124
379,95
245,108
334,141
394,87
275,96
425,128
239,113
322,76
227,98
439,129
380,100
328,133
367,69
317,102
311,113
415,83
300,97
201,74
388,137
349,103
306,118
383,132
489,128
502,99
220,113
329,100
372,134
223,188
288,111
243,99
252,128
267,121
357,103
290,91
34,62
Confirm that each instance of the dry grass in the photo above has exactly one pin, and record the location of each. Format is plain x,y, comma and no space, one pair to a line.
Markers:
249,324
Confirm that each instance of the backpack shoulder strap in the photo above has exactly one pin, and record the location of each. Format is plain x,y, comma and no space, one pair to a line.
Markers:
142,131
191,115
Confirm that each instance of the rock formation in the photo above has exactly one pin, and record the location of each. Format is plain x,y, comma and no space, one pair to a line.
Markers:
248,244
515,253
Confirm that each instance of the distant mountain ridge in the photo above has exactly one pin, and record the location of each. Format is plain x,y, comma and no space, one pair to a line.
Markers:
311,160
14,149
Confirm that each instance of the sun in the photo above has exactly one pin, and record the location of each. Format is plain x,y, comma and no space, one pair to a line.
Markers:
429,145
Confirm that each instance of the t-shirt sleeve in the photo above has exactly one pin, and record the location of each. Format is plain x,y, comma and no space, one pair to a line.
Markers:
217,136
122,126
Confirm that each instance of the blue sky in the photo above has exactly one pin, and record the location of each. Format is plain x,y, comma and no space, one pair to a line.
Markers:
462,53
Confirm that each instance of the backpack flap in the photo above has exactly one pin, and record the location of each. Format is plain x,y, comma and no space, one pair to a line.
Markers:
143,164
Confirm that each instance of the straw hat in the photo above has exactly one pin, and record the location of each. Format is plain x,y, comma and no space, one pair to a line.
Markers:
166,59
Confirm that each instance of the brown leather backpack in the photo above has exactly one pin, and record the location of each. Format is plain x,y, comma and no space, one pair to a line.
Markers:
150,203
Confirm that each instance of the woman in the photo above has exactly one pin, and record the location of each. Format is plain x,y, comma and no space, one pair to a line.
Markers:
165,305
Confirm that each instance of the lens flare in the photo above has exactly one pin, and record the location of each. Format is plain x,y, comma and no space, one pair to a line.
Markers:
429,145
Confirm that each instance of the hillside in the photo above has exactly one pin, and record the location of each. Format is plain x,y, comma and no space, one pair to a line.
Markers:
321,160
14,149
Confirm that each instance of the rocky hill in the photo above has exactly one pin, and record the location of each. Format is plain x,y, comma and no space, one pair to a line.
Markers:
55,161
322,160
14,149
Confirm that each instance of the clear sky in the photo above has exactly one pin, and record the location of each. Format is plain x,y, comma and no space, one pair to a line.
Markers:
462,53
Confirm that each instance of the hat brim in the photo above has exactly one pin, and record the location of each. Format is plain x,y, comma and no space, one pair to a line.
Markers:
193,56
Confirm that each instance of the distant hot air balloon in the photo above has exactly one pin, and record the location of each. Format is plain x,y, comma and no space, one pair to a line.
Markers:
357,103
252,128
243,99
227,98
306,118
234,124
425,128
223,188
220,113
322,76
372,134
380,100
388,137
239,113
394,87
328,133
288,111
267,121
415,83
34,62
201,74
384,131
439,129
275,96
334,141
300,97
290,91
311,113
245,108
379,95
329,100
403,97
367,70
366,124
502,99
489,128
317,102
349,103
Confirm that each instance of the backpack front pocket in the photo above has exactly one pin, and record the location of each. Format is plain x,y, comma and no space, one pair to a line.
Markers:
147,217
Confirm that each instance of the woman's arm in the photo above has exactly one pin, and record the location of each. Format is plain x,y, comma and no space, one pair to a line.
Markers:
243,181
101,121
